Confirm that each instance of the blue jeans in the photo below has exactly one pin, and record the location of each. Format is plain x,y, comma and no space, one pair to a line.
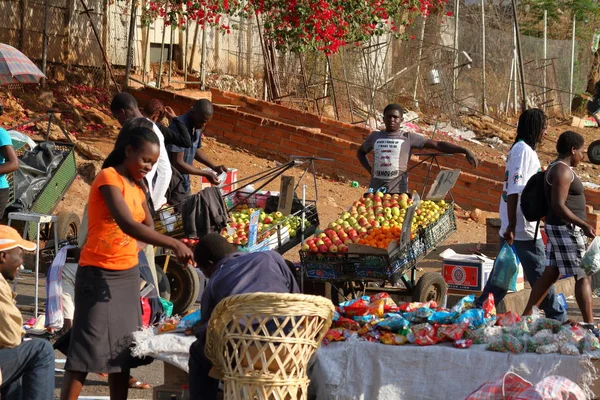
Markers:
533,259
202,386
27,371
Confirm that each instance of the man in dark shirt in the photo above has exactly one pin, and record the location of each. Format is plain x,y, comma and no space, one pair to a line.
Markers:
230,273
183,158
156,111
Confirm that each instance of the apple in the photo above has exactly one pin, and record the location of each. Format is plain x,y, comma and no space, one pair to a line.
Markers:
346,215
369,195
314,249
305,247
230,239
403,203
319,242
323,248
237,241
322,235
387,210
343,249
333,225
395,211
348,241
310,242
338,242
333,248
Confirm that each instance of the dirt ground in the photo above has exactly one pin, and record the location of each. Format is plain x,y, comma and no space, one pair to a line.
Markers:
89,121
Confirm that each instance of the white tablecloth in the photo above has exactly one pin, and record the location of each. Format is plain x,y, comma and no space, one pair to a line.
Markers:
168,347
362,370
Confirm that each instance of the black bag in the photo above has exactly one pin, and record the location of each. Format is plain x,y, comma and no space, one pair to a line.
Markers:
534,204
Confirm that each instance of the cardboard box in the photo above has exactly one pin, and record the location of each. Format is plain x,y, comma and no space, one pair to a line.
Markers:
467,272
230,183
470,273
174,376
169,392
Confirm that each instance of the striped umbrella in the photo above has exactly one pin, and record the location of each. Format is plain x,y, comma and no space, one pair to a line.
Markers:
15,67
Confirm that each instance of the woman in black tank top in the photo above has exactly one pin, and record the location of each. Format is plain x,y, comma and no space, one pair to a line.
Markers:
565,226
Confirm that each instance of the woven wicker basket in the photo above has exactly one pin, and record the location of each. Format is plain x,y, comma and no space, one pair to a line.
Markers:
261,343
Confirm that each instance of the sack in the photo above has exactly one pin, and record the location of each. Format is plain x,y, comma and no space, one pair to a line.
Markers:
533,198
506,268
590,264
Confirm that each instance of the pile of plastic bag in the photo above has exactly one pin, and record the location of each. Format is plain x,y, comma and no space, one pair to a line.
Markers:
377,318
534,334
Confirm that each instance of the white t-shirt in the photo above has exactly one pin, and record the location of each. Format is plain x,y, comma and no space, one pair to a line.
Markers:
162,171
521,164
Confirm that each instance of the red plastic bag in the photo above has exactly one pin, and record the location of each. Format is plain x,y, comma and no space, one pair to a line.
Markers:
346,323
489,307
452,332
508,319
146,311
425,335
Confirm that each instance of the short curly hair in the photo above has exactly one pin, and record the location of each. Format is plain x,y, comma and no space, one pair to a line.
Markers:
569,140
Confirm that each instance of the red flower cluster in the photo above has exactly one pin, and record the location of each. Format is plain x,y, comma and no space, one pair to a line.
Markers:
297,25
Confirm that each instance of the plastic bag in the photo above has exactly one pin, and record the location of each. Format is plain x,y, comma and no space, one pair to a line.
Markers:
589,343
451,333
346,323
393,323
355,307
547,323
506,268
410,307
392,338
512,344
569,349
167,306
334,335
366,319
462,343
547,349
497,346
441,317
466,303
590,264
473,317
424,335
189,320
489,307
508,319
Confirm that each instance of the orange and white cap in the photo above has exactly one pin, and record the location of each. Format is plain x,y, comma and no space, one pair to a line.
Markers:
10,239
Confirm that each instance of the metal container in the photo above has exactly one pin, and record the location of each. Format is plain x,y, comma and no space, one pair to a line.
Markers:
433,77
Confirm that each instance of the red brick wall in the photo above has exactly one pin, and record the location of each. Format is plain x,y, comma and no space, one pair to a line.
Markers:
254,130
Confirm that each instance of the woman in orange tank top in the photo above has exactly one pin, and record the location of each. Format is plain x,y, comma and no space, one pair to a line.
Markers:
107,284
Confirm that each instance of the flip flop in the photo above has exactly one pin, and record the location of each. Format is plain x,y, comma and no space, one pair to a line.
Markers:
135,384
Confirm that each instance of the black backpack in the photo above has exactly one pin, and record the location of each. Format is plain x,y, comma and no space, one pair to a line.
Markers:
534,204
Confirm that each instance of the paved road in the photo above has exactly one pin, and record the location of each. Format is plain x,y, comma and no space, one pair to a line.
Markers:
95,384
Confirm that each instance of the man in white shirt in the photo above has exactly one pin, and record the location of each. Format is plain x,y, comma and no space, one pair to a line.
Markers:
521,164
124,107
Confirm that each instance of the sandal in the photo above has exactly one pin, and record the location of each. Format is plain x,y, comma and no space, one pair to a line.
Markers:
135,384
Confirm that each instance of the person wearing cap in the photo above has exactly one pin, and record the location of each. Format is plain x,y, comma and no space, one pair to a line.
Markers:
27,366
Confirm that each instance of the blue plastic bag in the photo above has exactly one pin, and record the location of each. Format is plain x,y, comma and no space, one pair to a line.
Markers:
506,269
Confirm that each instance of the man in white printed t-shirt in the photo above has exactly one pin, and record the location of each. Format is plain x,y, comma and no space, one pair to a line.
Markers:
522,163
391,152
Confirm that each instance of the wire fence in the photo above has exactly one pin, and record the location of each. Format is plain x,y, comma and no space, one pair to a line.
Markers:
449,65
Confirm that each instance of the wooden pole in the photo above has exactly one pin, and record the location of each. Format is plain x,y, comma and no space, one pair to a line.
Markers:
455,69
194,44
545,54
45,39
483,86
162,52
132,23
520,57
24,9
572,66
106,62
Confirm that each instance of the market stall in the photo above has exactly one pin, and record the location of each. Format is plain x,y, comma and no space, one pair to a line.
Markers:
363,370
381,238
250,217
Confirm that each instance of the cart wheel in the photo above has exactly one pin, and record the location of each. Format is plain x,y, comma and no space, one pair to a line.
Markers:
164,287
431,286
67,226
593,152
184,284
